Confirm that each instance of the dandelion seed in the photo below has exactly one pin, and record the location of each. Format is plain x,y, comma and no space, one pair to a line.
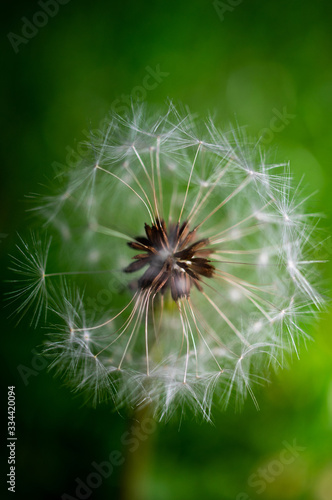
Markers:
30,265
221,277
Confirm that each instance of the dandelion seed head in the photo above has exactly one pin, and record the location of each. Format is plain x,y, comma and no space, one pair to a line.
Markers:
192,260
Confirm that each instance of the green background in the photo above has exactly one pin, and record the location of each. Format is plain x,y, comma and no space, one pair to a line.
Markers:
245,65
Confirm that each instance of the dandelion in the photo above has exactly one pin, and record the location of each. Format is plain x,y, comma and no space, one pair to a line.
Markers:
192,262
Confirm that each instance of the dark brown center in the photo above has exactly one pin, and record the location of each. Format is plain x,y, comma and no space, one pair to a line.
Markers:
174,259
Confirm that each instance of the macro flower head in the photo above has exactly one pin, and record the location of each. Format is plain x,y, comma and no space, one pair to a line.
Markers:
184,265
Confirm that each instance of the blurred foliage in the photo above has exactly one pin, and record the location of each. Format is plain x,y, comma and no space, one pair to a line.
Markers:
261,60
